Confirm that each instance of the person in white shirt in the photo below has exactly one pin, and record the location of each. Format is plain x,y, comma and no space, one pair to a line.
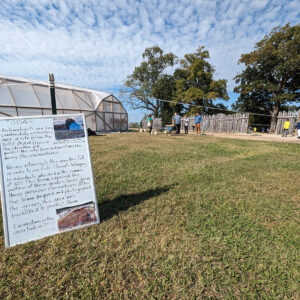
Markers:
186,124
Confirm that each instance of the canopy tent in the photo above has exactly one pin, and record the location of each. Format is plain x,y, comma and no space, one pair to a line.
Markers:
23,97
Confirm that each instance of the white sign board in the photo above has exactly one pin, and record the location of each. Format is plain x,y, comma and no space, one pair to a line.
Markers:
47,182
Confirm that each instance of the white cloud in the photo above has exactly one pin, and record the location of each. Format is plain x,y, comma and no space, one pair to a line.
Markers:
97,43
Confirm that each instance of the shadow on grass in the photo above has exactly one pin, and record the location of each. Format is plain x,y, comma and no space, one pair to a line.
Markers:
108,209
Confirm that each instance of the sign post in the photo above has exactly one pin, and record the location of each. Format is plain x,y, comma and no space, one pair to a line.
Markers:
52,93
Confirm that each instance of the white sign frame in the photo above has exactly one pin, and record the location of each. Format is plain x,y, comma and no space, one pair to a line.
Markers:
3,187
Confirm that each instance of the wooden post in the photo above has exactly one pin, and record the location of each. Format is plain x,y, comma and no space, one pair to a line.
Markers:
52,93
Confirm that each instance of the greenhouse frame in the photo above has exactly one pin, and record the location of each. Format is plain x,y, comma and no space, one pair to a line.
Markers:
23,97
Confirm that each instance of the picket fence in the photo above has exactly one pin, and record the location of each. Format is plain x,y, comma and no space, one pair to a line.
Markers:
235,123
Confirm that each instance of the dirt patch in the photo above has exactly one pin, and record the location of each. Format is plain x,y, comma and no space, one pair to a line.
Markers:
256,137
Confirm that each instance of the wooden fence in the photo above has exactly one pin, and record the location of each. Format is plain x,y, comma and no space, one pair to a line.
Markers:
235,123
282,117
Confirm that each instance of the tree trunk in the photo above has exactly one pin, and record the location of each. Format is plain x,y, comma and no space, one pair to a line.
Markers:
274,114
156,112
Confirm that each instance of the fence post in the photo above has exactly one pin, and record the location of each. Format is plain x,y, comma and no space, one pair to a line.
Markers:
52,93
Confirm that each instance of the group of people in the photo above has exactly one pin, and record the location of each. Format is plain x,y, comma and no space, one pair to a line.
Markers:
263,130
176,122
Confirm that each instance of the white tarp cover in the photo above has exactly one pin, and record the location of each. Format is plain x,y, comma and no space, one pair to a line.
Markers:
23,97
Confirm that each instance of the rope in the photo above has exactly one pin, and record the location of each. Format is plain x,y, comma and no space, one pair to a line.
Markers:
211,107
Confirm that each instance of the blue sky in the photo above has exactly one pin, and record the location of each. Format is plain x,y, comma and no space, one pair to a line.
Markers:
97,43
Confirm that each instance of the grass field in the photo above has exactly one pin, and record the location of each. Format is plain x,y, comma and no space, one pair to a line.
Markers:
181,218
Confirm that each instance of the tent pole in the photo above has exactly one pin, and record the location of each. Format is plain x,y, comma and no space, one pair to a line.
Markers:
52,93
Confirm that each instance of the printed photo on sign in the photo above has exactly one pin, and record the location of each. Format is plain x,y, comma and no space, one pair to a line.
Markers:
76,216
68,127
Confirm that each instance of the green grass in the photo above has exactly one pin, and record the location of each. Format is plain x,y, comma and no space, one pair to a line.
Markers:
181,218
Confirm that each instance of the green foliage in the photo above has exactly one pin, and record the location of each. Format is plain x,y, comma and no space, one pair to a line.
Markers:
195,83
133,125
271,79
192,83
148,82
164,88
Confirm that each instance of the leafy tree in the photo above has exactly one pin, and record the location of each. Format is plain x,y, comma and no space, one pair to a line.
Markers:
195,83
165,88
133,125
148,83
271,78
220,108
68,122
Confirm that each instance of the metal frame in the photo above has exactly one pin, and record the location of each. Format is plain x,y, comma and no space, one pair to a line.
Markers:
75,94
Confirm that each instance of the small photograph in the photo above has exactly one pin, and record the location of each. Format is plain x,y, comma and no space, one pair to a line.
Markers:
68,127
76,216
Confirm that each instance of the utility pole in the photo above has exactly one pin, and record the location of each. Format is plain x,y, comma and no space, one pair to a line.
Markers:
52,93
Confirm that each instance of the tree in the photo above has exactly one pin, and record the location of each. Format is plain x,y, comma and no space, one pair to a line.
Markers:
148,83
133,125
195,84
270,81
164,89
68,122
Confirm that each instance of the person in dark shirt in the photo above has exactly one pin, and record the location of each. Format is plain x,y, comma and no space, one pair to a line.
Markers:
298,128
177,122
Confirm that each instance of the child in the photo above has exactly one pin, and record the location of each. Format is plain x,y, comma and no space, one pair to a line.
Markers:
286,128
150,122
186,125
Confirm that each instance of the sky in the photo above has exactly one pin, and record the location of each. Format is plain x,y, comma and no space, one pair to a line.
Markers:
97,43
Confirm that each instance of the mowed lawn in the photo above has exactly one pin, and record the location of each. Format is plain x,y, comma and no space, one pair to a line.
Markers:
182,217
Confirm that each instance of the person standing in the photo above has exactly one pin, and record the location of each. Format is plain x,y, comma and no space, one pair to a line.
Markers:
177,122
286,127
298,128
198,121
186,124
150,122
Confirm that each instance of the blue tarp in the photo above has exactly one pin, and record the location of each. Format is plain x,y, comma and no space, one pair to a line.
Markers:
75,126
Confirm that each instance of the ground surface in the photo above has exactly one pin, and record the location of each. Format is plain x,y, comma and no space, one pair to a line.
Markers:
182,217
257,137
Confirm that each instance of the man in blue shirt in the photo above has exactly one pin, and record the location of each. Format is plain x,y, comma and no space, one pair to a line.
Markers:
198,121
177,122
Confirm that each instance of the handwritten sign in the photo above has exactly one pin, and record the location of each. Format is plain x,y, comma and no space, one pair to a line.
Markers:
46,177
